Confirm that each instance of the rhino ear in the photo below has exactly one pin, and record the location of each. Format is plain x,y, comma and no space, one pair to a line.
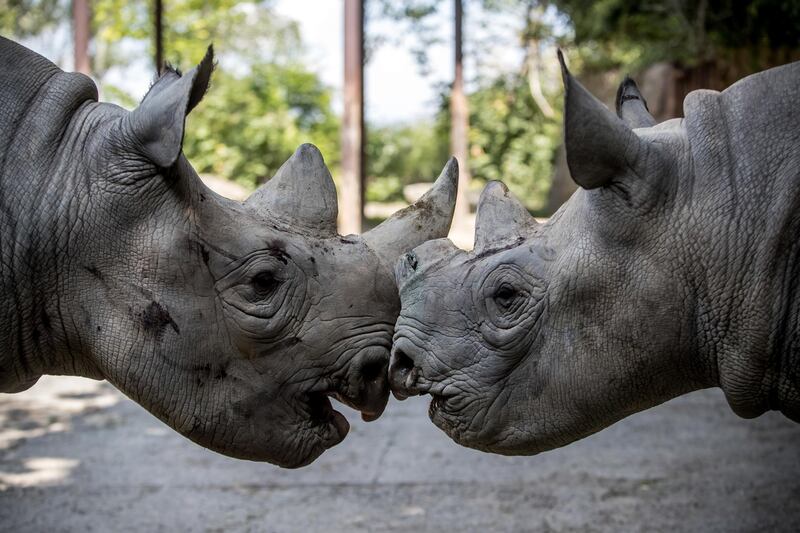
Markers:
632,107
301,193
600,147
157,124
501,218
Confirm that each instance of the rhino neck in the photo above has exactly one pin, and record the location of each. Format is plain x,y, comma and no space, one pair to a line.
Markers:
754,302
746,258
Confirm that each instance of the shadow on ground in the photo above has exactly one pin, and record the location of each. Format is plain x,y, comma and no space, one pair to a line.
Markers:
75,455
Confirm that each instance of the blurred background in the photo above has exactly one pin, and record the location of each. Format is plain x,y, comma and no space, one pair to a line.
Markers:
388,89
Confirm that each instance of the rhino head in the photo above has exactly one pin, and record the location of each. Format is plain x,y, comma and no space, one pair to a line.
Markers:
232,322
651,281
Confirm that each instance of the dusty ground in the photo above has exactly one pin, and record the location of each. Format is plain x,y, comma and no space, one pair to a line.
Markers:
75,455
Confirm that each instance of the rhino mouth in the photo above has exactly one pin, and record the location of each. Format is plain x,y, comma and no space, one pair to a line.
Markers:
364,389
437,403
322,413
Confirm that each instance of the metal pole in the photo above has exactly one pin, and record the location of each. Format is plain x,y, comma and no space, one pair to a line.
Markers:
459,117
80,18
159,29
353,176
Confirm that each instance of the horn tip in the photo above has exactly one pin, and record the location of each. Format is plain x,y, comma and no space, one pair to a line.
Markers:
494,188
448,179
308,149
450,170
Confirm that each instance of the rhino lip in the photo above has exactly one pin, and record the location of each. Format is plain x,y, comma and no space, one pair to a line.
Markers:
437,401
367,389
368,414
322,412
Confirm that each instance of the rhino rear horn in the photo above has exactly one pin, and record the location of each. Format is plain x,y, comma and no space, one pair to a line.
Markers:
501,218
600,147
158,123
301,193
428,218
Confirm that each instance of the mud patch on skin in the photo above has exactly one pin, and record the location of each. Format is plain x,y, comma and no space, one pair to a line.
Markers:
155,318
279,254
94,271
288,343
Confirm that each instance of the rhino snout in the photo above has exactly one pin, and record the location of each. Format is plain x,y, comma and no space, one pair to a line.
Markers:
368,389
403,371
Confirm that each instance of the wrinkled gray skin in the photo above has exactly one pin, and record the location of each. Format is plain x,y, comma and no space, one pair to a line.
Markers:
674,268
231,322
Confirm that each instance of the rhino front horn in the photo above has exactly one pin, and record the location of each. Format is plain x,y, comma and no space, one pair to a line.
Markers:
428,218
501,218
301,193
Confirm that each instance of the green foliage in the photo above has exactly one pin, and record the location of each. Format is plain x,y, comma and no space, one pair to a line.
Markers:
23,18
384,189
262,102
510,139
687,32
399,155
413,153
247,126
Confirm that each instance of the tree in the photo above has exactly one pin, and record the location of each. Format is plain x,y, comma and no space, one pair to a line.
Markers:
511,128
263,101
416,12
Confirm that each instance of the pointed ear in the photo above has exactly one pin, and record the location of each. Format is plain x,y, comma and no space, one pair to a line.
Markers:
600,147
501,218
157,124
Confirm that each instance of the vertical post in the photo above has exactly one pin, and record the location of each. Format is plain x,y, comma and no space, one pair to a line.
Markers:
159,30
352,183
80,20
459,116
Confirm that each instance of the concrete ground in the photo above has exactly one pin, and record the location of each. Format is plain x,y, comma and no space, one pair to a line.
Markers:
75,455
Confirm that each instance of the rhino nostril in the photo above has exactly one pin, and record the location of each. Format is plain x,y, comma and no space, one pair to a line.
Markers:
373,370
402,362
402,374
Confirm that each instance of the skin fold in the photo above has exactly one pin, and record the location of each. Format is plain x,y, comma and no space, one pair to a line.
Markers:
673,268
232,322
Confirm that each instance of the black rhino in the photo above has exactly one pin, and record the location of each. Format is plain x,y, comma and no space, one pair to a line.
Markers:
231,322
675,267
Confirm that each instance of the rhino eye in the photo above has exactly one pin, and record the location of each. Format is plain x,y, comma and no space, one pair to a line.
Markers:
264,284
505,295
